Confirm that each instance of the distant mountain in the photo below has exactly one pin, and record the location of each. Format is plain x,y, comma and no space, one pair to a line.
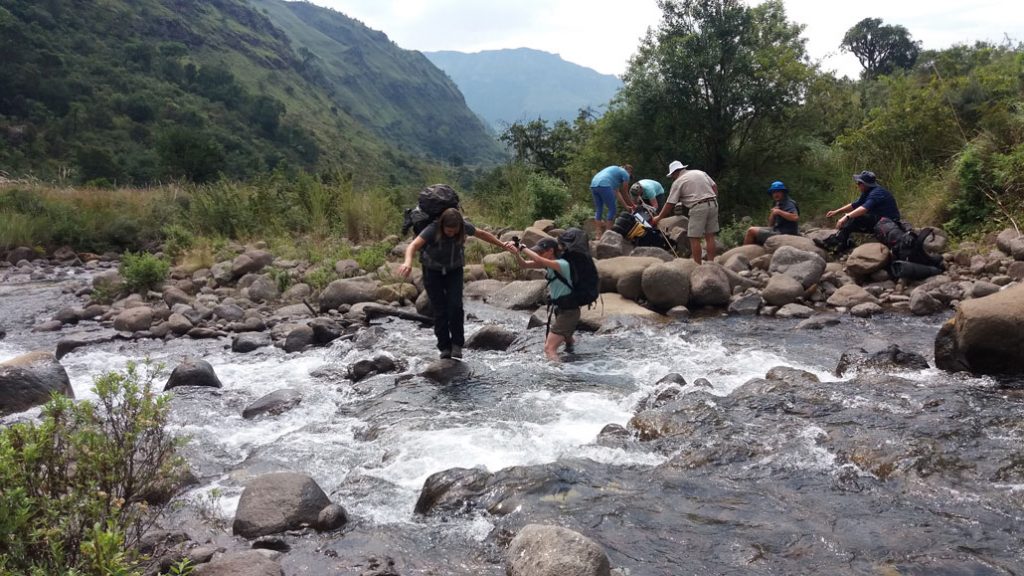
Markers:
138,91
505,86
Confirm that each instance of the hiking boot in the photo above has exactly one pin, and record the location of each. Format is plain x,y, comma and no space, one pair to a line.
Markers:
446,354
457,352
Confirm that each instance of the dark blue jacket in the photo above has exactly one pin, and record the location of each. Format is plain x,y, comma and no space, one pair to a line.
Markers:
879,202
783,226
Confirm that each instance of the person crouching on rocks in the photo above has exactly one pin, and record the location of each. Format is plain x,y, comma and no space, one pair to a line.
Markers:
558,274
784,217
695,190
442,254
861,215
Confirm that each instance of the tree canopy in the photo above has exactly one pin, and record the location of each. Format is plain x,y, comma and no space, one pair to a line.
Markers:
881,48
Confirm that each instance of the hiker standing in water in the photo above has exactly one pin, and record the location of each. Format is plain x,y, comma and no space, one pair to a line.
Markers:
442,253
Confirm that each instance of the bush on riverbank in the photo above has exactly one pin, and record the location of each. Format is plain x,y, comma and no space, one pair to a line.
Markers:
83,485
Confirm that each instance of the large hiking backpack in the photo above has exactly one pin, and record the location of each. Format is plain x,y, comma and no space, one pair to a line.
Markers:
585,282
433,200
907,246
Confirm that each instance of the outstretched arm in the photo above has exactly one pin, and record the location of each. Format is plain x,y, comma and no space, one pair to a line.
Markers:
415,246
842,210
537,261
491,239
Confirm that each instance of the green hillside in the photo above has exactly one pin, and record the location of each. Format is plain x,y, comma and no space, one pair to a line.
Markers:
138,91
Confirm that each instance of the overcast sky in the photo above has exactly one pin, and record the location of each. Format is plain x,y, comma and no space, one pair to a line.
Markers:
603,34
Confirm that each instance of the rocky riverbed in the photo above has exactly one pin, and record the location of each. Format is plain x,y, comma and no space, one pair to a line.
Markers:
725,444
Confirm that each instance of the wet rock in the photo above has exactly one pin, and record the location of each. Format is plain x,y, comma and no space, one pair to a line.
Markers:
666,285
866,310
748,305
363,369
178,324
683,416
326,331
849,296
274,503
451,491
792,375
264,289
661,397
249,342
300,338
805,267
867,259
193,372
445,371
520,295
341,292
794,311
248,563
923,303
608,310
782,289
134,319
610,245
29,380
891,358
332,517
539,550
678,313
277,402
709,286
986,336
491,337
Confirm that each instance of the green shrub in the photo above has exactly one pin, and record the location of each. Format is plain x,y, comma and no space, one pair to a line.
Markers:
373,257
76,484
177,240
143,272
548,195
732,234
575,216
319,278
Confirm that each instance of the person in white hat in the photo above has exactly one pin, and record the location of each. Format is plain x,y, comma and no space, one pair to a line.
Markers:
696,191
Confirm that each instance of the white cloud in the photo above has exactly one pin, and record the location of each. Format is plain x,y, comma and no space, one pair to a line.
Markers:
603,34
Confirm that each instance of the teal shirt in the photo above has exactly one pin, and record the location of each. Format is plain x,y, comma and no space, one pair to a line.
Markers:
611,177
652,189
556,287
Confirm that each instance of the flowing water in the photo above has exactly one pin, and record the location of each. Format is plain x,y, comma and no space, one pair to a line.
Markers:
922,474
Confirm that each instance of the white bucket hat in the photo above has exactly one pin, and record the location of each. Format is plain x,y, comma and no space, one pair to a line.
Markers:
675,166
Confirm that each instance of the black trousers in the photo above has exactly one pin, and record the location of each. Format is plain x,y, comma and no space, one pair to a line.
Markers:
445,293
865,224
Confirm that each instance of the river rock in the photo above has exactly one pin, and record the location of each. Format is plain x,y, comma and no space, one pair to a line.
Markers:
300,338
29,380
491,337
610,245
614,271
982,288
363,369
782,289
20,253
173,295
193,372
277,502
332,517
883,361
229,312
445,371
539,550
804,266
247,563
801,243
609,310
451,491
922,303
709,286
1007,240
349,292
866,310
297,292
250,342
748,305
263,289
250,263
178,324
748,251
533,235
794,311
867,259
277,402
134,319
520,295
667,285
849,296
652,252
986,336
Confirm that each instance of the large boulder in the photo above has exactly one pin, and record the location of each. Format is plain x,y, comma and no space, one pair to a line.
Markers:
622,270
539,550
29,380
804,266
1008,240
748,251
349,292
612,308
709,286
251,262
264,289
520,295
922,303
250,342
277,402
610,245
799,242
246,563
446,371
134,319
193,372
850,295
21,253
299,338
882,360
986,336
491,337
173,295
533,235
867,259
748,305
667,285
277,502
782,289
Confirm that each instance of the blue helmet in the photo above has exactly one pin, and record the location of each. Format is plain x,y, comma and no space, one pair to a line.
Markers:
777,186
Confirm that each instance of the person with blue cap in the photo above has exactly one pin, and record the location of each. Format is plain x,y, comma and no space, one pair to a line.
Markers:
783,218
863,214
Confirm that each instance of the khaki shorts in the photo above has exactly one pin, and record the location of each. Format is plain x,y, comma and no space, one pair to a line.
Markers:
703,219
565,321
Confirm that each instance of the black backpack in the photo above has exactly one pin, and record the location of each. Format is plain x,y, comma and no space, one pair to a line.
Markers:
432,202
906,244
585,282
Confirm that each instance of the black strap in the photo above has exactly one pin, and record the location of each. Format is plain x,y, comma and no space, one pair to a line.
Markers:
547,328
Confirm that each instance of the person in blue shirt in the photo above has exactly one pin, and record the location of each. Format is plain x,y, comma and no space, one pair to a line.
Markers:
559,276
649,192
608,186
783,218
863,214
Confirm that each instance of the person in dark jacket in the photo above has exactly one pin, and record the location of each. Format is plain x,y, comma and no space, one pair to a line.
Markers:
442,254
784,217
863,214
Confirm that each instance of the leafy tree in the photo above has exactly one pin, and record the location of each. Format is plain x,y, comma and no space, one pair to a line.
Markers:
545,147
881,48
190,154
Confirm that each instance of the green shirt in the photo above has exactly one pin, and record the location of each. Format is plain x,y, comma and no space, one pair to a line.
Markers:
556,287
